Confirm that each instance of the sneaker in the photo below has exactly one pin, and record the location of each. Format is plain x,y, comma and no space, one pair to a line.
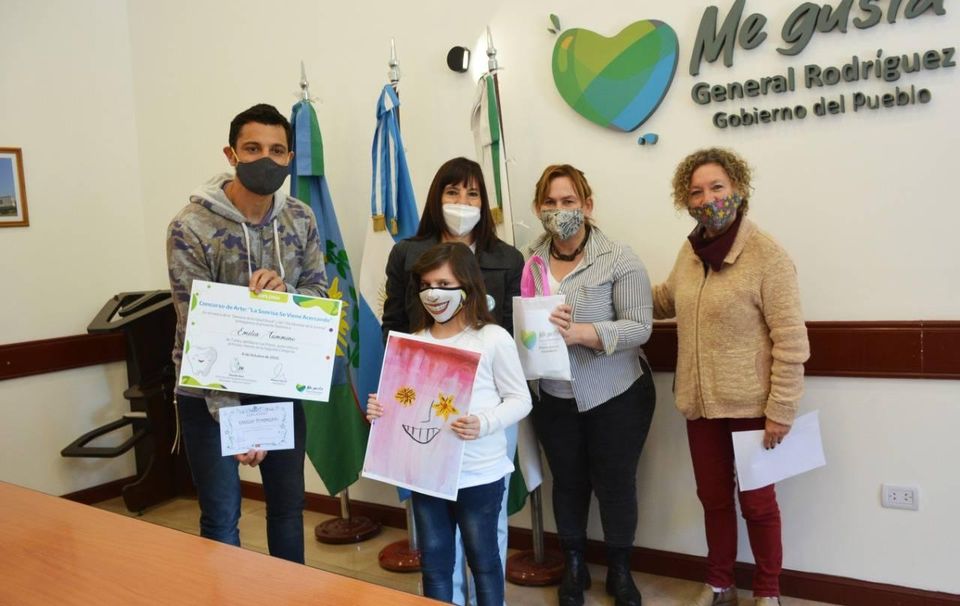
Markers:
766,601
709,597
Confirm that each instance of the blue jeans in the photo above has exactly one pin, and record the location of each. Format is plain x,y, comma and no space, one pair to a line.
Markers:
218,480
475,513
463,593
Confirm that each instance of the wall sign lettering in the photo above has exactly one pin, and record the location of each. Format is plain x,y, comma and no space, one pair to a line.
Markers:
715,39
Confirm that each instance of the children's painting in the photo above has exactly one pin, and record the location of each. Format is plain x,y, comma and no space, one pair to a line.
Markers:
424,387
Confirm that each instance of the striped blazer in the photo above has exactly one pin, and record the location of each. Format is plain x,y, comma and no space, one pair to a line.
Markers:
609,289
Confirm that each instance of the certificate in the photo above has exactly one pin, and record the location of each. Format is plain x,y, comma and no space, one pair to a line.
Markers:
261,426
271,344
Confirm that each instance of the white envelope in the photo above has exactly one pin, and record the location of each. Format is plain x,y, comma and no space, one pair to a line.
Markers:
800,451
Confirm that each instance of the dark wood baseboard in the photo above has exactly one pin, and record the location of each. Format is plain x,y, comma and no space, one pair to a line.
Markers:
805,585
98,494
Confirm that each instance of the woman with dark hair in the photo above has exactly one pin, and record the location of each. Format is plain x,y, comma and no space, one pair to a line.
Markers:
742,343
593,428
453,311
457,210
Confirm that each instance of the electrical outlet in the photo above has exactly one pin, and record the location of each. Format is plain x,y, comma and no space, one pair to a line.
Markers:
900,497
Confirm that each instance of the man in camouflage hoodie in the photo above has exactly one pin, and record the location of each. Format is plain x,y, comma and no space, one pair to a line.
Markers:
241,230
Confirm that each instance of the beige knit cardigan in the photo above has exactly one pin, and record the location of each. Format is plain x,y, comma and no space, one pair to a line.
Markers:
741,336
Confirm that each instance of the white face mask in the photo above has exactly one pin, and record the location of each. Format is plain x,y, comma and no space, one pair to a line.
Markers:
442,303
460,218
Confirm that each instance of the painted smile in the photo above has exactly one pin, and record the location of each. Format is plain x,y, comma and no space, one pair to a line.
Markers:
438,308
421,435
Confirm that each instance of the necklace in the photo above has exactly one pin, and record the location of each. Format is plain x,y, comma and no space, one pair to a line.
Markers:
559,256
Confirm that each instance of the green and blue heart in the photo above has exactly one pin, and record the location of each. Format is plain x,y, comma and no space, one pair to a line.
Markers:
616,82
529,338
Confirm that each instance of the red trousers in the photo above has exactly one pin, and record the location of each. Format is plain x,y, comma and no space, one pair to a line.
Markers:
711,449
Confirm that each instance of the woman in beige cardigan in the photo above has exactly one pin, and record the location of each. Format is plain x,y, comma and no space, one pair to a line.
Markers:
742,344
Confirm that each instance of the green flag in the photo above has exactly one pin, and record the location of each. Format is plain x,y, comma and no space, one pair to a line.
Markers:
336,430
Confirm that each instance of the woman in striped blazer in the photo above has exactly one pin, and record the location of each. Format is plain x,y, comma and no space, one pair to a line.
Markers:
593,428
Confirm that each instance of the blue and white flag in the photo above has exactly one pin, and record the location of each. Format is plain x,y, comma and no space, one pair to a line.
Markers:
393,217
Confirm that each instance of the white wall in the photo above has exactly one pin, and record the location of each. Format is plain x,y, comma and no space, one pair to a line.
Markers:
874,431
839,193
858,201
66,99
197,64
42,414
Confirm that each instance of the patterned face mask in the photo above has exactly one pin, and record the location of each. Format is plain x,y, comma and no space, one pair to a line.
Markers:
715,215
443,303
562,223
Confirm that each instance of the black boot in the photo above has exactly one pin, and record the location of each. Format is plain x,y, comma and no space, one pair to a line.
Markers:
576,578
619,580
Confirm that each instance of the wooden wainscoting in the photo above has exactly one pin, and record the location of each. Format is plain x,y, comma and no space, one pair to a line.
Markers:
883,350
52,355
920,349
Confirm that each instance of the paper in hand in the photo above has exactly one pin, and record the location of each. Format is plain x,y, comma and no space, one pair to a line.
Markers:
800,451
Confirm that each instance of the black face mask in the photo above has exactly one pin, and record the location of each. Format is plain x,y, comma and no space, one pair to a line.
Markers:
263,176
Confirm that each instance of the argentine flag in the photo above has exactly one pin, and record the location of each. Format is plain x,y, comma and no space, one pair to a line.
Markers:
393,217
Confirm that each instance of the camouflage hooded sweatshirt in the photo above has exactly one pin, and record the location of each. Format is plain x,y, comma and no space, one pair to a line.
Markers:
210,239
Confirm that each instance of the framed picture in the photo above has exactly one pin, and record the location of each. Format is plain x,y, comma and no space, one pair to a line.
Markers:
13,195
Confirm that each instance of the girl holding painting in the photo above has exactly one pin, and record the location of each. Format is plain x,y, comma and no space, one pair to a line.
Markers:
454,311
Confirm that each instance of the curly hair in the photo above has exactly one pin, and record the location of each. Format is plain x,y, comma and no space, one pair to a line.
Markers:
736,168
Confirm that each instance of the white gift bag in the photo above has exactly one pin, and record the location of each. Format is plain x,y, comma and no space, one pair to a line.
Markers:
543,353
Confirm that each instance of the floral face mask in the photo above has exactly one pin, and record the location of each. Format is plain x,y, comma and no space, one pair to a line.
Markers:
715,215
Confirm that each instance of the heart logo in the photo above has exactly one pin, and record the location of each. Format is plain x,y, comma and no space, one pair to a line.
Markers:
616,82
529,338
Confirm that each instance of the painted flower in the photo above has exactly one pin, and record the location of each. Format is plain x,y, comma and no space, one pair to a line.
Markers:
444,406
405,396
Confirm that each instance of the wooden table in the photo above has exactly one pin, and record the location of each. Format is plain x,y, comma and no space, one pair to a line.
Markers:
56,552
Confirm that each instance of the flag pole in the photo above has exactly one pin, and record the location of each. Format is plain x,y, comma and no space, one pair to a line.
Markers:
538,566
492,68
346,528
400,556
394,73
304,84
